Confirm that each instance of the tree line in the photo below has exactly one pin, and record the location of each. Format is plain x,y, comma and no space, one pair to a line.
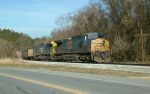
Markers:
121,20
11,41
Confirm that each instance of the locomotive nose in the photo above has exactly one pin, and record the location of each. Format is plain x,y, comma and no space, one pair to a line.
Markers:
100,50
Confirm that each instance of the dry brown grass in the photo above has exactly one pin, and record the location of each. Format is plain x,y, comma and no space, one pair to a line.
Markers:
21,64
9,61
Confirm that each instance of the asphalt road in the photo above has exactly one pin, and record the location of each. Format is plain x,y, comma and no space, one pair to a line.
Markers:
38,81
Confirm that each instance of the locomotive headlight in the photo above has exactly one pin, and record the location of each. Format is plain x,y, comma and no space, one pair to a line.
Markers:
69,38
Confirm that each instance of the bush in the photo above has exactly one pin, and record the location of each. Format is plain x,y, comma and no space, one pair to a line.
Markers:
123,51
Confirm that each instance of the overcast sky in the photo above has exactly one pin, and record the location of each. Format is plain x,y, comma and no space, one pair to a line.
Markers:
35,17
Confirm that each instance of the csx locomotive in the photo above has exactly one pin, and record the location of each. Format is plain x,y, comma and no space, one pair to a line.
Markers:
91,47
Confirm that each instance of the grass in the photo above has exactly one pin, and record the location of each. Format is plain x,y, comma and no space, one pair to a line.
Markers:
22,64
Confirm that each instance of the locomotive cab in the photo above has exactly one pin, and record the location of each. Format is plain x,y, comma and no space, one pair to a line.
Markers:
100,50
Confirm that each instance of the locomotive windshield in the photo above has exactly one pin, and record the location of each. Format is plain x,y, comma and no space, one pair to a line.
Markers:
94,35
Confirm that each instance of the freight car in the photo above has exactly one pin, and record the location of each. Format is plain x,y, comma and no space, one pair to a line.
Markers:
39,52
28,54
91,47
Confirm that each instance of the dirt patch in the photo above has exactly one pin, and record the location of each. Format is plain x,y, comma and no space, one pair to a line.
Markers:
21,64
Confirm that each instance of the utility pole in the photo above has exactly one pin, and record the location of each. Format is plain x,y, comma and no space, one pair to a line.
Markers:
141,40
142,46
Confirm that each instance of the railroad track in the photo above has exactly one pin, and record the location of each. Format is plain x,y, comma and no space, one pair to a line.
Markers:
134,68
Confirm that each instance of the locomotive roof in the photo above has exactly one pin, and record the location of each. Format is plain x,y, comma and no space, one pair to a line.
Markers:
100,35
